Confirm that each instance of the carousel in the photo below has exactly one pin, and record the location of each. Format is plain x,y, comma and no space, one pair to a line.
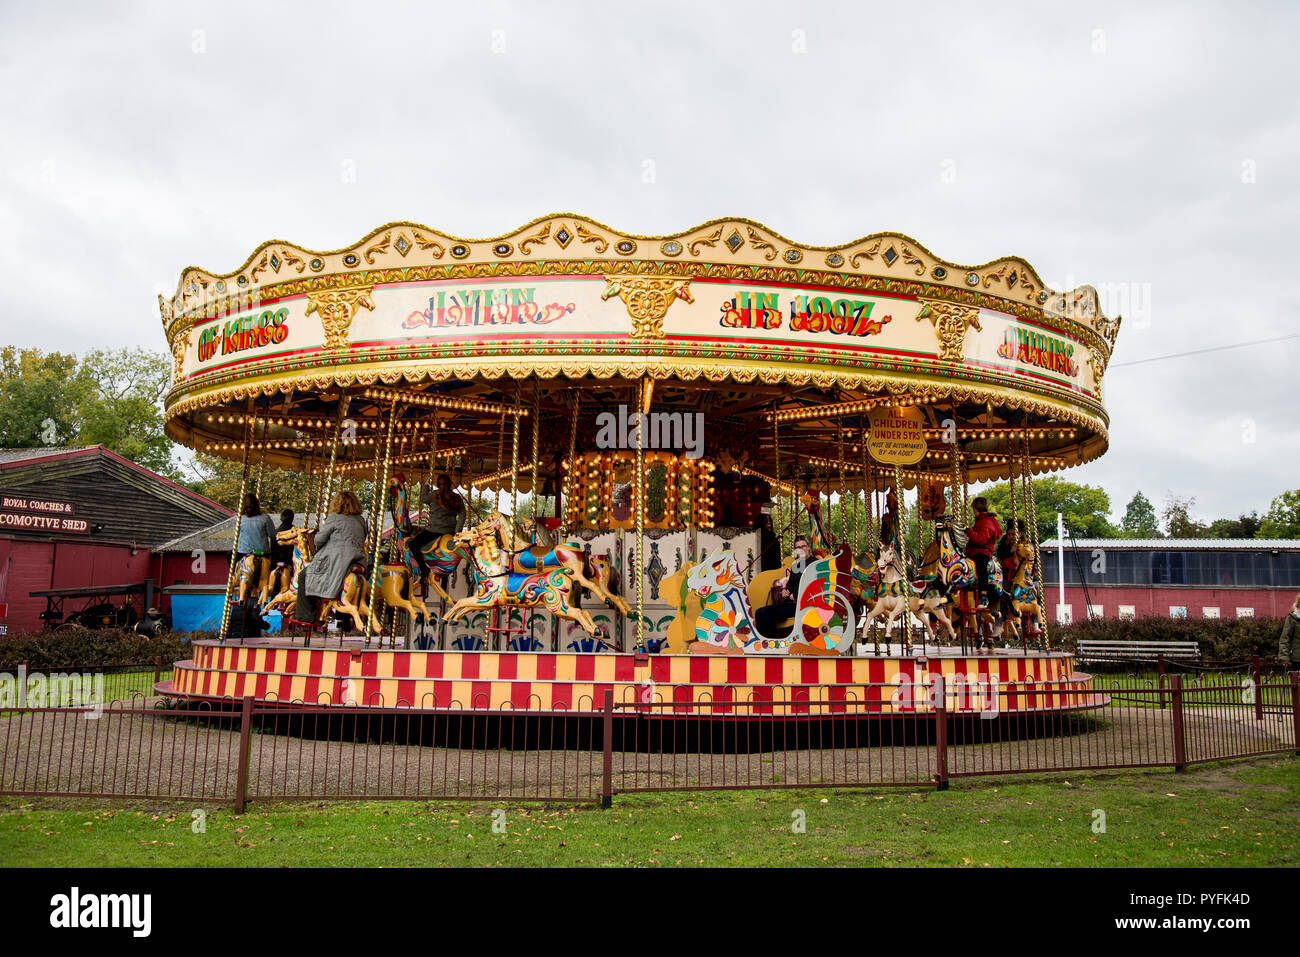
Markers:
712,466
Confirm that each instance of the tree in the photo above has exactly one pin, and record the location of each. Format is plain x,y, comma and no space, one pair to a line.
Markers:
107,398
39,394
1243,526
121,406
1177,516
1140,519
1085,509
219,479
1282,520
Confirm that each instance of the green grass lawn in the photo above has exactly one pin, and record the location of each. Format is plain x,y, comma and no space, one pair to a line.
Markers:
1217,816
1269,695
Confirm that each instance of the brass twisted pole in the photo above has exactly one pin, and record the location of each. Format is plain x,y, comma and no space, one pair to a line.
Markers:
537,471
377,521
1032,522
566,505
900,535
776,447
640,517
239,515
328,490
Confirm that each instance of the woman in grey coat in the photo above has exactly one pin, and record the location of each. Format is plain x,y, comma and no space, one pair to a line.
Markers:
340,544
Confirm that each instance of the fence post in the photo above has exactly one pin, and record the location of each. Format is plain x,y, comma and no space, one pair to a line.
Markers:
607,758
1257,675
245,744
1160,676
1295,710
940,734
157,669
1180,742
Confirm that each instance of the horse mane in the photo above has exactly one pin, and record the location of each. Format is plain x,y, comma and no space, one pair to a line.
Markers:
959,537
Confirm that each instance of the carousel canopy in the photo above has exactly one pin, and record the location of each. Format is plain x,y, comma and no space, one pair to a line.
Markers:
786,350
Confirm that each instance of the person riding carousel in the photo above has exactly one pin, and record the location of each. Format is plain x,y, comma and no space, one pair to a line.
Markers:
340,544
444,511
767,618
981,540
256,530
1006,551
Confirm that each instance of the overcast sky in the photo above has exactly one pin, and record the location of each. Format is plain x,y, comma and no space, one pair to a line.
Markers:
1151,150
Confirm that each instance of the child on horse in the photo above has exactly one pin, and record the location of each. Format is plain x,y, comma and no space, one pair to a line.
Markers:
981,540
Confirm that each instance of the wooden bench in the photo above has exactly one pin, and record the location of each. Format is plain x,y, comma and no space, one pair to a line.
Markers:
1138,650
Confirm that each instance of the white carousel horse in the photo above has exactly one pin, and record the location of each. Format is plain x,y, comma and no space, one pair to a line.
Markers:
896,594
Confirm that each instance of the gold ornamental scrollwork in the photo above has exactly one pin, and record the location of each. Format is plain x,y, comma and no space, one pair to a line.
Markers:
950,320
1098,363
179,346
336,308
647,299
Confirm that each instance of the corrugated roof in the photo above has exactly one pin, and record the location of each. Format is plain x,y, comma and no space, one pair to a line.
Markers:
19,455
1183,544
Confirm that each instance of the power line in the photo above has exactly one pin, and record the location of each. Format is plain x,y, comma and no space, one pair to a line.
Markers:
1197,352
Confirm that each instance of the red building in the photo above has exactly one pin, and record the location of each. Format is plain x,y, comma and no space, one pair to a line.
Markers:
1173,577
81,517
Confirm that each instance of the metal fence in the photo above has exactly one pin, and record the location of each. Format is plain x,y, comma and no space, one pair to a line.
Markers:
248,751
120,682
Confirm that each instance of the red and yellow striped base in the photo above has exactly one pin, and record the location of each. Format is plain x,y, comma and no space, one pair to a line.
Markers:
569,682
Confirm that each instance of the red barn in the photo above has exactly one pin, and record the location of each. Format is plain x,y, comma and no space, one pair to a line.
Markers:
81,517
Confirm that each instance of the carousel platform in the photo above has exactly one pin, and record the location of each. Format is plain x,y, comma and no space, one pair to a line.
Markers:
283,672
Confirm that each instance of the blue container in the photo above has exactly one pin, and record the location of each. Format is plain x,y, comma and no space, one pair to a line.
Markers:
197,608
196,612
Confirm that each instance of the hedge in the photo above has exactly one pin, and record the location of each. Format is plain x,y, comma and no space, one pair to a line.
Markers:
1221,639
100,648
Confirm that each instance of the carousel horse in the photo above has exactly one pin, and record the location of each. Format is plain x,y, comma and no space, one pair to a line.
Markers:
1022,597
304,546
441,553
895,594
280,578
532,559
499,584
957,575
254,574
352,594
954,569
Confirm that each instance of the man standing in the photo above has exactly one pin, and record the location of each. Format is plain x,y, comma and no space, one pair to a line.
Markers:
982,539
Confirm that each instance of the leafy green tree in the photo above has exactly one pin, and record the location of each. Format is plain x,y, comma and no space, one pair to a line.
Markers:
1140,519
1282,520
120,406
1086,509
39,395
1243,526
109,398
1178,521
